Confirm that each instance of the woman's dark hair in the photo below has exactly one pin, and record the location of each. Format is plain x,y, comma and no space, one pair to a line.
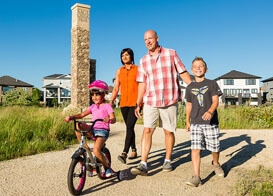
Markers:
130,52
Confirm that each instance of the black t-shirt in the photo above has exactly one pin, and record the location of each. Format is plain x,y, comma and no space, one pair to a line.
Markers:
200,95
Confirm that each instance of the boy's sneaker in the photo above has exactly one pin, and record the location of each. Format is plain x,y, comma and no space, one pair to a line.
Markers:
218,170
139,170
108,172
167,166
194,181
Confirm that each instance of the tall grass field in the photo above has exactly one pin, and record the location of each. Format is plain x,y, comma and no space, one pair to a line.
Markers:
27,130
31,130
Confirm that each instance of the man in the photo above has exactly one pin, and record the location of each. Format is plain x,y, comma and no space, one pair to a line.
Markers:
159,89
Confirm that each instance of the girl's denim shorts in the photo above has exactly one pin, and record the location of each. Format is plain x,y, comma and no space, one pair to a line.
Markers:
101,133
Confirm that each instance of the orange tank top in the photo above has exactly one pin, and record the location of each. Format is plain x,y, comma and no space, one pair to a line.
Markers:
128,86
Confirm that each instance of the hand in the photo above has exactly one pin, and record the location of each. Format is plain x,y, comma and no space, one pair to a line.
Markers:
111,102
137,113
207,116
188,126
106,119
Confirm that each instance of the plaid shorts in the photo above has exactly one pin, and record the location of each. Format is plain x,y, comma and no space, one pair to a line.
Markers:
205,136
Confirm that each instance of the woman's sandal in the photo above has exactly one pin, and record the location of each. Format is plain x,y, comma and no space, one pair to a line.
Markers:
134,151
122,157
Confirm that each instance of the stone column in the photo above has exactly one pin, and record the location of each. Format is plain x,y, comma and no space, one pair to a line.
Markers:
80,58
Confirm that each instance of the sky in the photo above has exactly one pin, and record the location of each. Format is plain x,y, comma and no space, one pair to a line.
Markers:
35,36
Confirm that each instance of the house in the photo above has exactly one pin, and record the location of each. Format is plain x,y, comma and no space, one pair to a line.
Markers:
183,87
7,83
57,86
239,87
268,89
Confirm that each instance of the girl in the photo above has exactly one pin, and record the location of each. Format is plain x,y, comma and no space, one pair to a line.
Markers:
99,110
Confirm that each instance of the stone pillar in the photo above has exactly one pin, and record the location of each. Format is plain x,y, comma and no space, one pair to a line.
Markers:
80,58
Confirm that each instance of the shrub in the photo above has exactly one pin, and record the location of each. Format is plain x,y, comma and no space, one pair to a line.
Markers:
16,96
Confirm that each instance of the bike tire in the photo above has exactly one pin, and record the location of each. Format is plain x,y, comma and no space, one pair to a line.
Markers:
76,176
99,168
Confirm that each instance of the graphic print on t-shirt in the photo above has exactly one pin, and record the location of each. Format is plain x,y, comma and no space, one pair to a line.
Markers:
200,92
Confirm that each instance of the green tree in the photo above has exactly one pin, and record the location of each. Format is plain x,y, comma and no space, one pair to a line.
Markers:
36,96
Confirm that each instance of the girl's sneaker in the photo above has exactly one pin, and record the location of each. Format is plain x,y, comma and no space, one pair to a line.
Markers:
108,172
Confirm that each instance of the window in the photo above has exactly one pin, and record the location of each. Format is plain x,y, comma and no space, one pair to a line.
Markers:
51,92
65,92
229,82
25,89
250,82
254,90
225,91
6,88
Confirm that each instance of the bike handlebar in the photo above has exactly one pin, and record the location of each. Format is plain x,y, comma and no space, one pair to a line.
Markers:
85,131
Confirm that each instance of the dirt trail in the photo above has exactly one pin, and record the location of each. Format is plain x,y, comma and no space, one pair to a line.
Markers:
45,174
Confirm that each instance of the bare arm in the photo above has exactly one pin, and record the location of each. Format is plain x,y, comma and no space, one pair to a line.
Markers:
208,115
140,94
188,114
111,117
116,88
185,76
77,116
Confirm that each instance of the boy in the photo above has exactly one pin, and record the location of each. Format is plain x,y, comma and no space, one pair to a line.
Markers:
202,120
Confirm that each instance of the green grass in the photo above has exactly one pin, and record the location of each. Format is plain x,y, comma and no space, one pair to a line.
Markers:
27,130
30,130
255,183
241,117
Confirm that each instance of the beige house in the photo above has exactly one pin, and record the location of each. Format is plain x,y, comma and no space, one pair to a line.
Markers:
8,83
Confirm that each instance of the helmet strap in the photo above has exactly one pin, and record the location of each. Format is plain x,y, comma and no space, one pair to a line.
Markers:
101,100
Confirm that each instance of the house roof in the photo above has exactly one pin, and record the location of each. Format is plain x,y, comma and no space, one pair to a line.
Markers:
51,85
10,81
268,80
58,76
237,75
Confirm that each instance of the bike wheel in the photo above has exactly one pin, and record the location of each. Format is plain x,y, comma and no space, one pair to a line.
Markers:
100,168
76,176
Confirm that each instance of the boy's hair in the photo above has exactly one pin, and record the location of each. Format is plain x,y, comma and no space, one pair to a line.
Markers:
200,59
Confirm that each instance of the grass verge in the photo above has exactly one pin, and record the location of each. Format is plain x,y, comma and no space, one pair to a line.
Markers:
32,130
255,183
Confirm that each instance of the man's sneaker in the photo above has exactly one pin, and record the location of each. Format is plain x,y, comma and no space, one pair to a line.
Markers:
167,166
218,170
139,170
108,172
194,181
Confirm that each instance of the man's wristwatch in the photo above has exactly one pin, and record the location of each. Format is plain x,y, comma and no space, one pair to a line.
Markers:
137,105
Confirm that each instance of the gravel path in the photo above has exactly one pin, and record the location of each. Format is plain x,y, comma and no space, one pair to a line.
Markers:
45,174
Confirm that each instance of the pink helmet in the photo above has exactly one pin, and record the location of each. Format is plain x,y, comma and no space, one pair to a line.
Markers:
99,85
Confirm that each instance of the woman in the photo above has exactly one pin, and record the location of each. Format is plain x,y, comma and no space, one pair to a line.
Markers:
126,81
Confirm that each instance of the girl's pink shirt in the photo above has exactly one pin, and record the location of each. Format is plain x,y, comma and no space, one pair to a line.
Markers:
100,113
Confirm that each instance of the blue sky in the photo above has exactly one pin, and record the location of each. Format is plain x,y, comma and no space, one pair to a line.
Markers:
229,34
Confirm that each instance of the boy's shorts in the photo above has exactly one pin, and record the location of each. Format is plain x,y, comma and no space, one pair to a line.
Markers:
205,136
101,133
167,114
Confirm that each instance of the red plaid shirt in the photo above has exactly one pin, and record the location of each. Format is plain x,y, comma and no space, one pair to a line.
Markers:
161,77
